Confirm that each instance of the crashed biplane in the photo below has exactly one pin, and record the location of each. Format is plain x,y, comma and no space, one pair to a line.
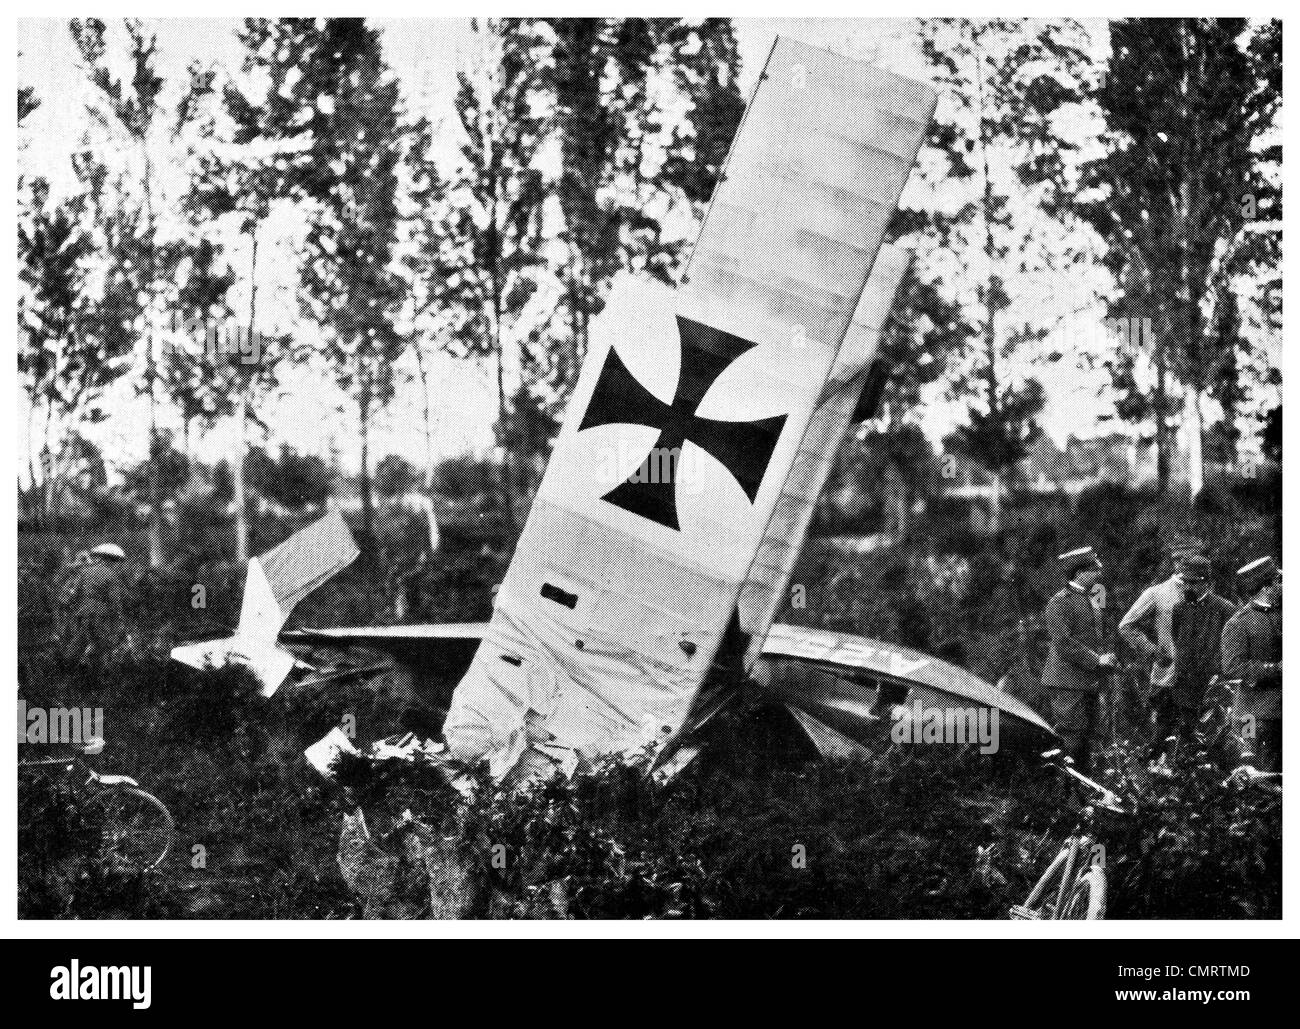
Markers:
659,548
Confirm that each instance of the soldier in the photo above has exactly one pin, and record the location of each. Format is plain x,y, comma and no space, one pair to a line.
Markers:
1076,661
1252,653
1196,627
91,604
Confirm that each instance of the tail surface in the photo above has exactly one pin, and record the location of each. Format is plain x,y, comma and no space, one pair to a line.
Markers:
276,582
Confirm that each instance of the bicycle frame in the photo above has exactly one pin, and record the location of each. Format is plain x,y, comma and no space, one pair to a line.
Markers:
1068,860
1067,876
93,778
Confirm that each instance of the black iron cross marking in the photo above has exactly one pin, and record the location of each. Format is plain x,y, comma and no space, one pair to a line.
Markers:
743,448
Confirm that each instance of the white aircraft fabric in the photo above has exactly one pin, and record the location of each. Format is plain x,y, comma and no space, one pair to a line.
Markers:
765,589
275,583
680,436
307,559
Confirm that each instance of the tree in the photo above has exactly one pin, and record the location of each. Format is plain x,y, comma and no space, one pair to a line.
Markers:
1000,438
637,115
294,481
74,337
464,478
1270,434
350,284
395,477
495,225
626,163
248,153
1186,204
197,373
28,101
129,110
1013,233
432,276
895,464
163,475
155,262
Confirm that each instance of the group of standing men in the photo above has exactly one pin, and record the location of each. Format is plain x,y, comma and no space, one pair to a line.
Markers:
1188,635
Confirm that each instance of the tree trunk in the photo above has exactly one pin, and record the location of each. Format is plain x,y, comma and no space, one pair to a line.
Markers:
1162,423
507,476
991,290
995,503
237,475
1195,443
429,474
897,506
151,373
367,501
241,421
155,486
47,484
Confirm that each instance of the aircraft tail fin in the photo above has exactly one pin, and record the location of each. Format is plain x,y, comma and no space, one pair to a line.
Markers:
275,583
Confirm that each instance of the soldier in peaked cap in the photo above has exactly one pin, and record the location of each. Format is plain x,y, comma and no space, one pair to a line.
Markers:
1197,627
1252,654
1077,662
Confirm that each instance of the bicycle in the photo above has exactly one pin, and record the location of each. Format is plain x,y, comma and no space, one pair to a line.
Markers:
1072,889
137,827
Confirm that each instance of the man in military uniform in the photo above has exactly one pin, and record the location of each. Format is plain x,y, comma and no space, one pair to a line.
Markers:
1196,628
91,605
1252,653
1077,663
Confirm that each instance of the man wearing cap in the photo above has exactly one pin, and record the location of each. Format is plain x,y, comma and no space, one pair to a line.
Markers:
1196,627
1252,654
1147,626
91,604
1076,660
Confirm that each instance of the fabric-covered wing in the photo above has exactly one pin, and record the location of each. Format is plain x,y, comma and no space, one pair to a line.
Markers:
853,685
766,586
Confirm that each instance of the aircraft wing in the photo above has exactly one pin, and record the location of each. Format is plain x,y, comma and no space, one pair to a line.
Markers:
430,653
680,435
845,688
840,688
765,588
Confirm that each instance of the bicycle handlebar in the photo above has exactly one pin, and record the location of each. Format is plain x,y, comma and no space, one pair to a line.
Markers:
1063,763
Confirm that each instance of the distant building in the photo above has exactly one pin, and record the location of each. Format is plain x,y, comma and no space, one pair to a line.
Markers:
1119,457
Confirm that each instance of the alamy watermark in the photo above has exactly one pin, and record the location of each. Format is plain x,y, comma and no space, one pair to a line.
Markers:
955,726
79,725
212,339
680,466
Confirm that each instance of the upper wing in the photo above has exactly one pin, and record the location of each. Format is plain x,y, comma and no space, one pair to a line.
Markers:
765,587
683,430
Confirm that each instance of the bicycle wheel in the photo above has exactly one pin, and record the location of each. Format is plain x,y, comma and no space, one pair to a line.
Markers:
1088,899
137,830
1040,905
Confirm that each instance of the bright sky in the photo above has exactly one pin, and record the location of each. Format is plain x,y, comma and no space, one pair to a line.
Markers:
426,55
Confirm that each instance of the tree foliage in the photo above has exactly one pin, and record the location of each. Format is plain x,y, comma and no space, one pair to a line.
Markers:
1189,202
